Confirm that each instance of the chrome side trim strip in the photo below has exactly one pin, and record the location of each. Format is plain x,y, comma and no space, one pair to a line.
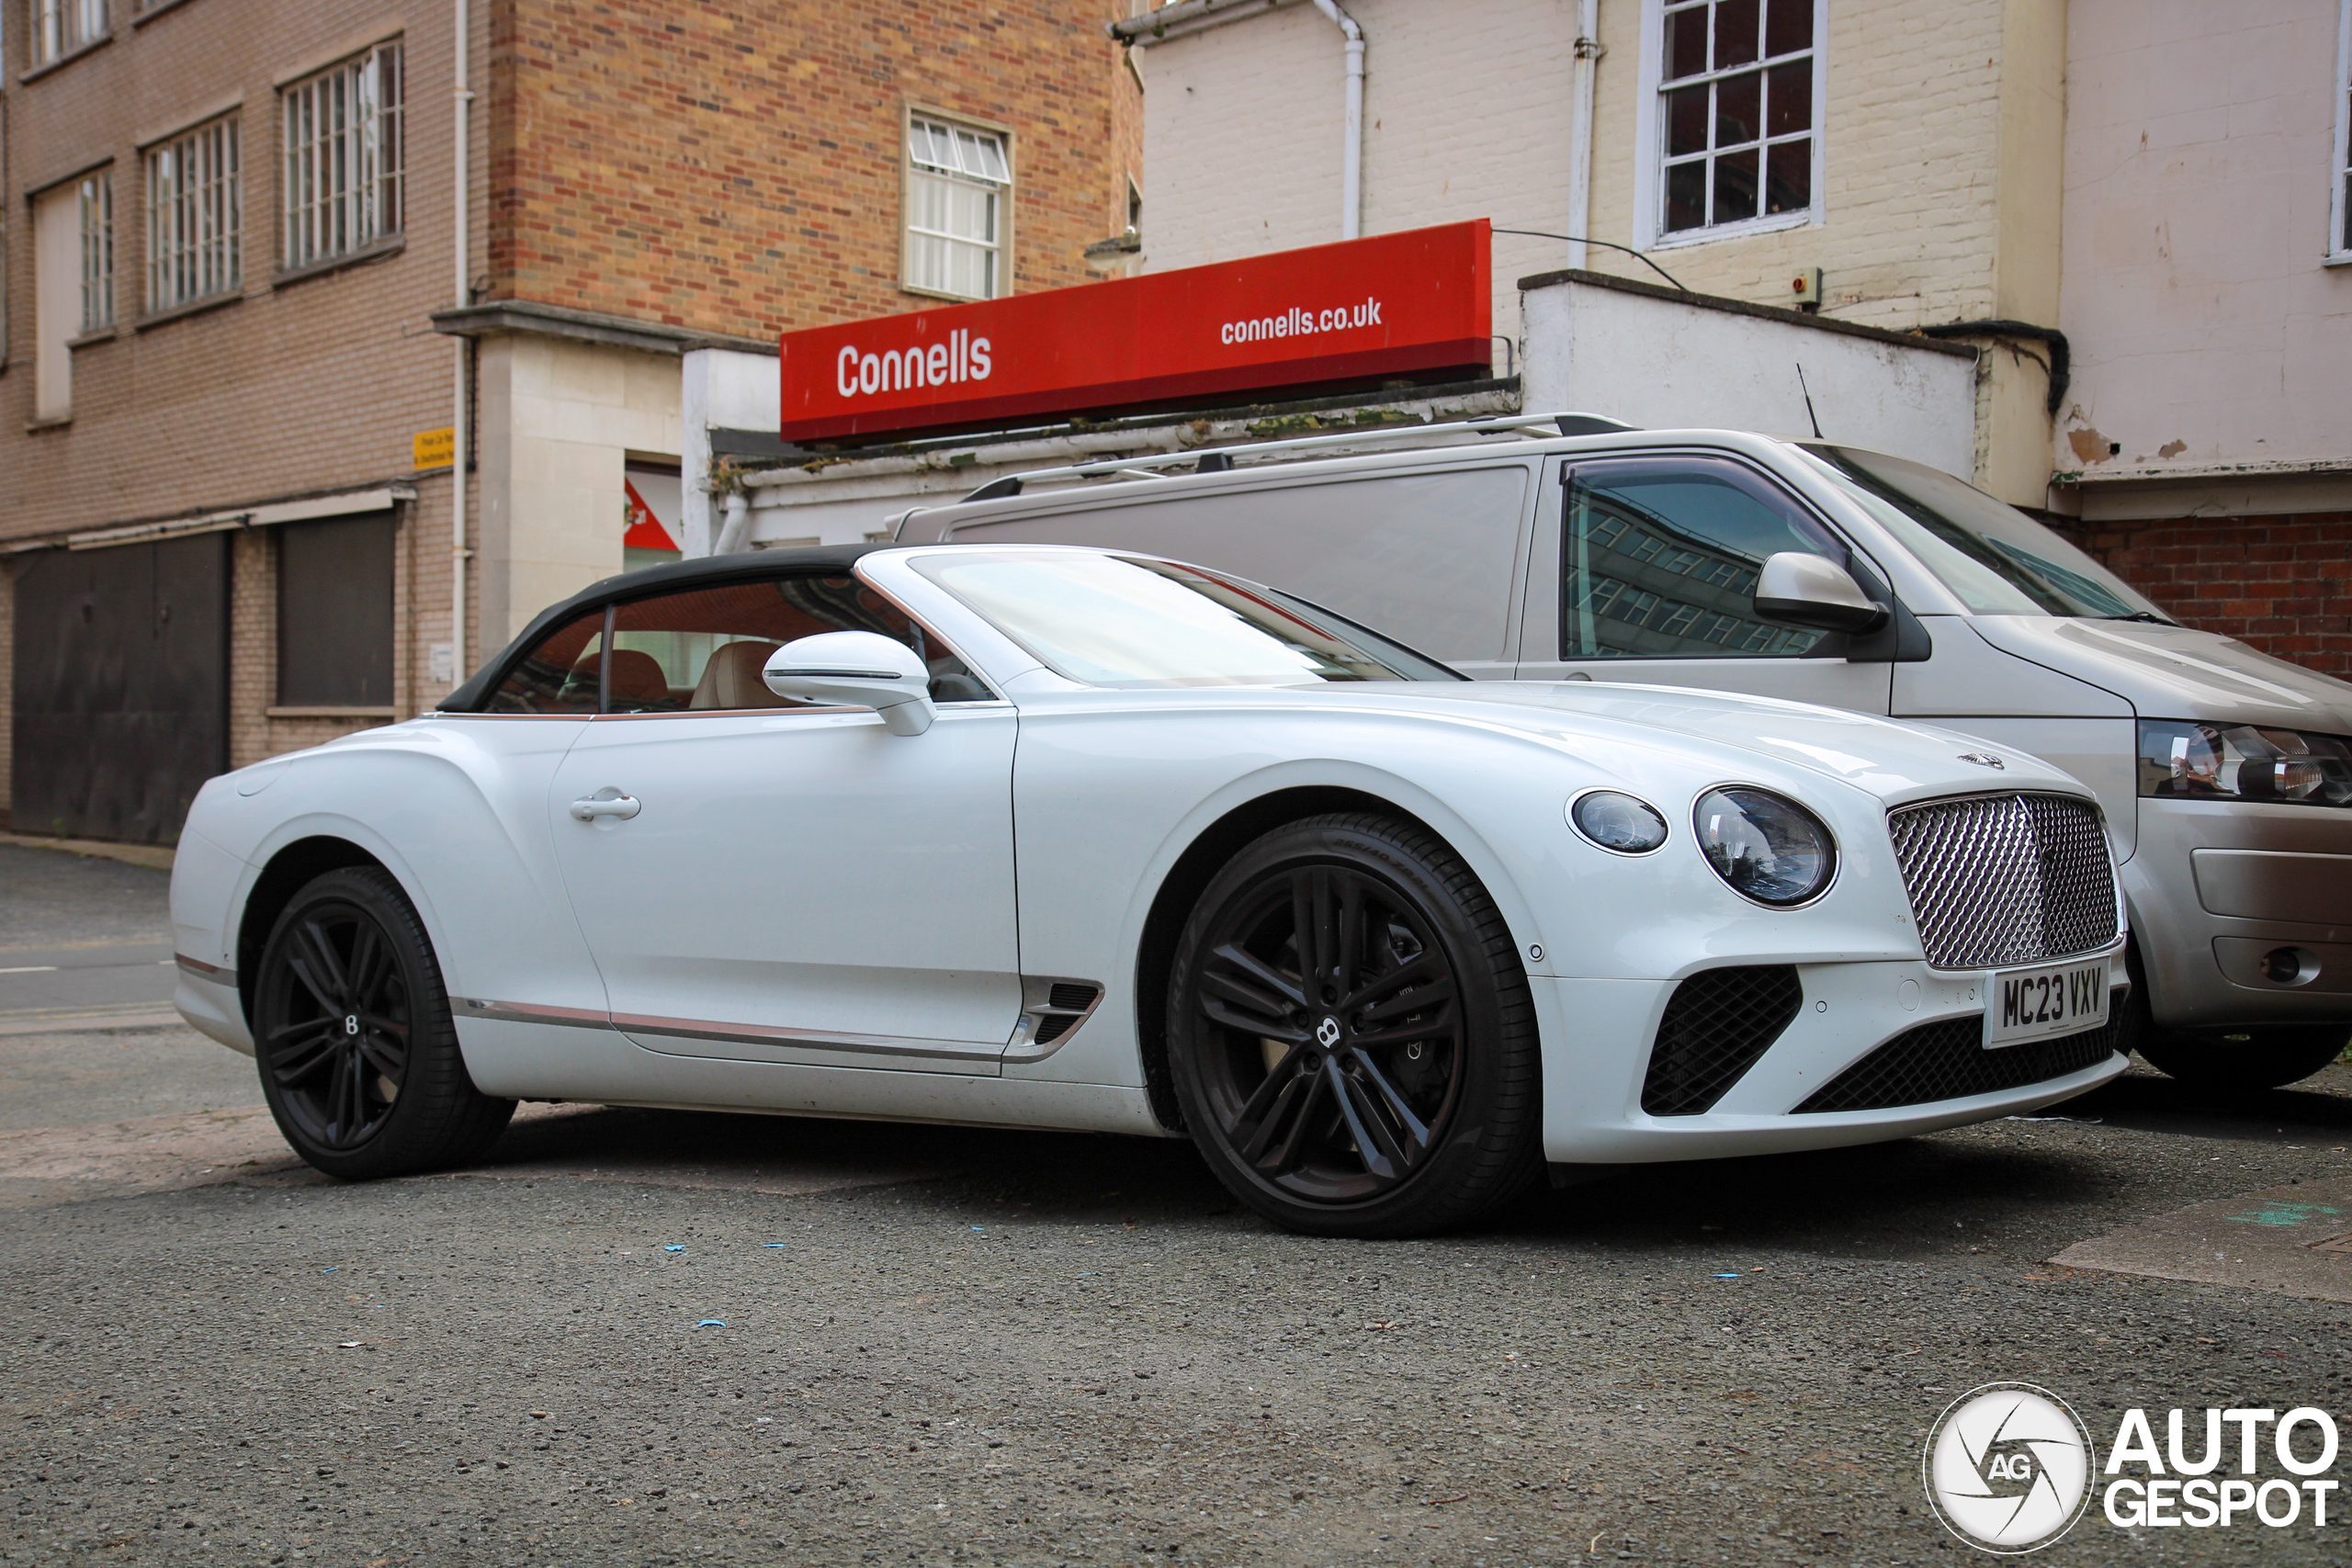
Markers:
525,1012
815,1039
203,971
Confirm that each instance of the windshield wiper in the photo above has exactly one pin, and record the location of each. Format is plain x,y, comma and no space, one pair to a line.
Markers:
2148,616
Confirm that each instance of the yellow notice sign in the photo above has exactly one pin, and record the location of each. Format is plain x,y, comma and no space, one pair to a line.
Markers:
436,449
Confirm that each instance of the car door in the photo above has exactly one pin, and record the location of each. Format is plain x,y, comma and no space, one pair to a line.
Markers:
760,880
1647,574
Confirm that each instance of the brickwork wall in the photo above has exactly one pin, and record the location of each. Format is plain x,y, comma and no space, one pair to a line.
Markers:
2282,584
735,165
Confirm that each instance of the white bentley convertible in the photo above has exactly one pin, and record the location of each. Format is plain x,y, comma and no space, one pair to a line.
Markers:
1050,837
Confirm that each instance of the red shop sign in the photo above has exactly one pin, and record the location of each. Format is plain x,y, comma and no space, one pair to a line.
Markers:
1402,304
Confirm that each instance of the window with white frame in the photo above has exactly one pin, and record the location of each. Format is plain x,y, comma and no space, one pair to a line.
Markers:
958,182
343,158
96,197
194,231
61,26
1734,90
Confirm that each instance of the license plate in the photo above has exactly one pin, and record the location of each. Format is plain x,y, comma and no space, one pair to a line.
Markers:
2034,1004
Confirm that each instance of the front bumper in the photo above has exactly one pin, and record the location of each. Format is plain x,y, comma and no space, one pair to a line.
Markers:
1597,1036
2215,888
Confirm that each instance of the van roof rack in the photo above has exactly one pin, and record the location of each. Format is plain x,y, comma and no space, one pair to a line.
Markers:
1217,460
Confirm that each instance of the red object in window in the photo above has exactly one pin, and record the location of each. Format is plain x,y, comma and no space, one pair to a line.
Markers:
645,530
1413,304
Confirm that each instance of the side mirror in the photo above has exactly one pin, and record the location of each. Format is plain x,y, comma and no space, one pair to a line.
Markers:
1799,590
863,670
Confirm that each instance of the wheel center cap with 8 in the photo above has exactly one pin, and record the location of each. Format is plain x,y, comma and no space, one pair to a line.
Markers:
351,1024
1326,1033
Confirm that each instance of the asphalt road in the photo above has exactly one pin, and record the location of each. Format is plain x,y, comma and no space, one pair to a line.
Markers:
651,1338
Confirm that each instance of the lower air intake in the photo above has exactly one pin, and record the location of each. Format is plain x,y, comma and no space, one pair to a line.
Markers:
1717,1024
1948,1061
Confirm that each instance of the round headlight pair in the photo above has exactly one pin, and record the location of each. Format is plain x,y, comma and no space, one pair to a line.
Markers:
1763,846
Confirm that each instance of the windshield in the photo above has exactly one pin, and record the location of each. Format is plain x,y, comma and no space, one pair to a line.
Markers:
1998,560
1126,622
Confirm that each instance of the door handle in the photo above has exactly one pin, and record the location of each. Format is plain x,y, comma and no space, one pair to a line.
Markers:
607,802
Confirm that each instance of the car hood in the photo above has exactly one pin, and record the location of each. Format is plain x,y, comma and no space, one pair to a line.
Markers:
1894,759
2177,671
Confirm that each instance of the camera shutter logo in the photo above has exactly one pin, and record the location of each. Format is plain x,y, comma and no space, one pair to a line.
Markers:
2008,1467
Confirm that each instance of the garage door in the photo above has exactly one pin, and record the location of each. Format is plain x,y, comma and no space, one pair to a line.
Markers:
121,687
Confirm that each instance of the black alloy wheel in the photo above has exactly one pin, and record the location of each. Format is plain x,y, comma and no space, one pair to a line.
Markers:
1351,1035
359,1057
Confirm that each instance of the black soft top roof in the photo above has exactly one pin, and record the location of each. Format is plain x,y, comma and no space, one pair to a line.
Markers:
675,577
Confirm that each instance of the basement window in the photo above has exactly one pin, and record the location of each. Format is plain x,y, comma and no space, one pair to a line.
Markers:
959,183
1732,100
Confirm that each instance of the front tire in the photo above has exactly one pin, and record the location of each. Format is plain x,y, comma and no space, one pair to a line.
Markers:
359,1057
1351,1035
2241,1061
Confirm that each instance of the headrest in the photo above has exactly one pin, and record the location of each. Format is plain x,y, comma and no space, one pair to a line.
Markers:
731,679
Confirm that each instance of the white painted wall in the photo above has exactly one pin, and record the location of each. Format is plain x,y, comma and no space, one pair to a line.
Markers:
2208,337
724,388
1467,115
1665,364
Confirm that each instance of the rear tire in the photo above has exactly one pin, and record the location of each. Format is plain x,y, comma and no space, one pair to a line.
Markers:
359,1057
2242,1060
1351,1034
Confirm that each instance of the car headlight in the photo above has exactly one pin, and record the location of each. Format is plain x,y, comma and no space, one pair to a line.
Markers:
2182,760
1767,848
1618,822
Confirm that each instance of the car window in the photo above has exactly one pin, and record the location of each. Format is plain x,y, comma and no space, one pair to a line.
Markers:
1659,556
557,677
703,649
1128,622
1427,558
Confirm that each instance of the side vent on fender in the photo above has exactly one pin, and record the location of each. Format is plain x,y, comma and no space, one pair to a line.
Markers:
1050,1009
1718,1025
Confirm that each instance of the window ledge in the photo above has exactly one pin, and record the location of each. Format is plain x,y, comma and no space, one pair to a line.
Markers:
1772,225
193,308
386,711
63,61
923,293
88,340
35,426
373,251
152,9
2341,258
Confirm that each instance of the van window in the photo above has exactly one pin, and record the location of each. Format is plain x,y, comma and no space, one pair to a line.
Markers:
1659,556
1425,558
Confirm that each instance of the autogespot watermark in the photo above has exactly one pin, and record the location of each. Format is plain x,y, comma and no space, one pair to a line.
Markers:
2010,1468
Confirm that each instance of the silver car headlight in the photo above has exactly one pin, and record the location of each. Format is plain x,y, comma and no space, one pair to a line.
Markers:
1617,821
1764,846
2182,760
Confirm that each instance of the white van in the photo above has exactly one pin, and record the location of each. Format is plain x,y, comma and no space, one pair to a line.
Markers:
1572,548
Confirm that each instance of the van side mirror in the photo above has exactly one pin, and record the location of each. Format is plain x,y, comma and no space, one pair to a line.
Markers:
1799,590
861,670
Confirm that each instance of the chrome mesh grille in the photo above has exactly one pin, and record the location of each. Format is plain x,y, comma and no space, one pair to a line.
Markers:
2002,879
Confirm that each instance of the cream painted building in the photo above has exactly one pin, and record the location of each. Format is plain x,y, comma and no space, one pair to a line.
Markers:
1910,151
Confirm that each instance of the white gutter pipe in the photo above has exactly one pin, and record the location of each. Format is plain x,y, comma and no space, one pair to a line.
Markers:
1589,53
1352,150
459,666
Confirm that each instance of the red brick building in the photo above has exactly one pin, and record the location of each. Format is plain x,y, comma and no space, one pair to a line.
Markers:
237,355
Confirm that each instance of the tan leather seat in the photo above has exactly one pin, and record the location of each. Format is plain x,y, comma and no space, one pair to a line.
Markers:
638,680
731,679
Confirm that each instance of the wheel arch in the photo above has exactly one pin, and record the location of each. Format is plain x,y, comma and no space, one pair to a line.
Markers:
1172,902
288,871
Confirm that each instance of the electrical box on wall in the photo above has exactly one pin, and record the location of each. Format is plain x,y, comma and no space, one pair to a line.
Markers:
1804,290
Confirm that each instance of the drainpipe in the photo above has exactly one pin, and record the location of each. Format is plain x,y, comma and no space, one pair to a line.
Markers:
1580,171
458,664
1352,152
